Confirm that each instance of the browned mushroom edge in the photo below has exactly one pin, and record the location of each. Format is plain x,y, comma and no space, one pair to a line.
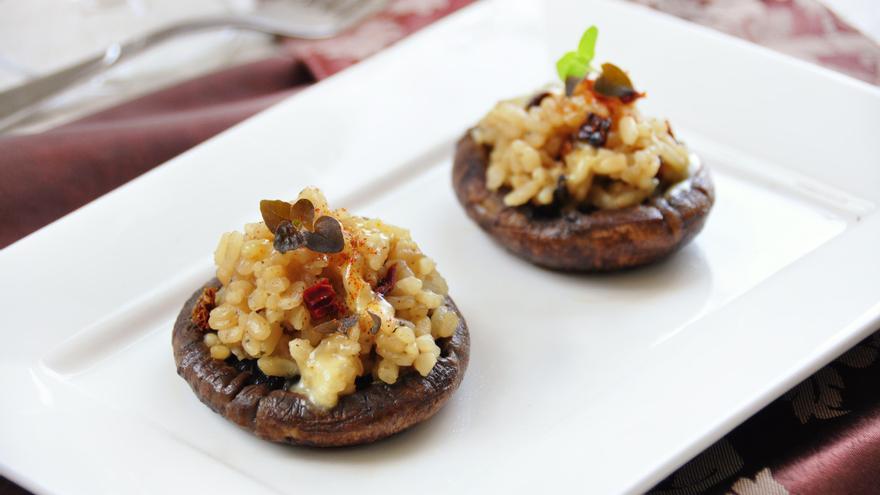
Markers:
369,414
599,240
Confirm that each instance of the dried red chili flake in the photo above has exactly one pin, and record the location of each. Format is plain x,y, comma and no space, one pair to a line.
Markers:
320,300
202,309
669,128
595,130
387,283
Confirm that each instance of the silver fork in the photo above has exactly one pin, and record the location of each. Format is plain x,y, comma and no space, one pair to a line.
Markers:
304,19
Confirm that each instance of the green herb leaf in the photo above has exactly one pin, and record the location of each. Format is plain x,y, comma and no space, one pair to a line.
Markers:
587,45
572,65
577,64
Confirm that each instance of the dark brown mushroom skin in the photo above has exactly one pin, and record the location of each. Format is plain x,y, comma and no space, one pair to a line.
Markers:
601,240
279,415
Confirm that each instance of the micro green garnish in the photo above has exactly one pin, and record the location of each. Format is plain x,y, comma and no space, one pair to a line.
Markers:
327,237
288,237
274,212
576,64
302,213
615,83
294,227
612,82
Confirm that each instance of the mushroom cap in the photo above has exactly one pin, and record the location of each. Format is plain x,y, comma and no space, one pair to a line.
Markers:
279,415
601,240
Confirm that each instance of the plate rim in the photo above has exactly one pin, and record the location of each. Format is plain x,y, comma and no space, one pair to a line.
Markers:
828,352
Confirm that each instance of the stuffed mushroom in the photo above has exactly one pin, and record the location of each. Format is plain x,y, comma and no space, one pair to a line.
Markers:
577,178
321,328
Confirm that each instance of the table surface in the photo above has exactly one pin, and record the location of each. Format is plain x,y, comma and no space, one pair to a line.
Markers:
80,28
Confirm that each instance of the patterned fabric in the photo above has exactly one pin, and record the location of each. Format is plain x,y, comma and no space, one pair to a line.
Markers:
326,57
802,28
47,175
822,437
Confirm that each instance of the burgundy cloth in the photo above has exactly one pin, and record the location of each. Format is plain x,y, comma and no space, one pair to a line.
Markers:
47,175
822,437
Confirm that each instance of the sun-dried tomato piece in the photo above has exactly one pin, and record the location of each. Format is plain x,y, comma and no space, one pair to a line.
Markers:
320,300
595,130
387,283
202,310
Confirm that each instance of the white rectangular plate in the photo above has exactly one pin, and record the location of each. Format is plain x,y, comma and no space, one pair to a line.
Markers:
604,383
